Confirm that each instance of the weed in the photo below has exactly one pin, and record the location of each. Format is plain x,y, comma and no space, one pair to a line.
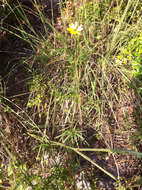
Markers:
131,57
80,65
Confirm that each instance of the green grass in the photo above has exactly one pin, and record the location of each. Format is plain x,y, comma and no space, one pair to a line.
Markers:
74,84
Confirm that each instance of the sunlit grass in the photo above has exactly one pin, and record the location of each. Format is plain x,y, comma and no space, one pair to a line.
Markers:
75,83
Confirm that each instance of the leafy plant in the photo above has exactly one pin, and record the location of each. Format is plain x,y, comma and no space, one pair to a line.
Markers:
131,56
71,136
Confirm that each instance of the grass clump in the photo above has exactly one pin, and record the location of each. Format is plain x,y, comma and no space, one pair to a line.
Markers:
77,79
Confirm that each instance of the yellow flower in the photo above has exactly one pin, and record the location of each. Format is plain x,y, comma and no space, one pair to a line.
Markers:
75,28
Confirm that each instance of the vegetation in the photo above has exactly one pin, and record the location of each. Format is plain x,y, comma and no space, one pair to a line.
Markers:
70,94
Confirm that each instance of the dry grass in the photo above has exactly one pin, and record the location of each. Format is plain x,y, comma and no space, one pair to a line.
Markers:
66,100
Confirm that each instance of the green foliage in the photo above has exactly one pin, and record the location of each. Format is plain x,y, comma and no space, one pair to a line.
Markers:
37,89
131,56
57,179
75,86
71,136
23,178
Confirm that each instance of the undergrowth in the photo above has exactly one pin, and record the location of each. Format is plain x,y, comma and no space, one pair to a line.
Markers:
80,66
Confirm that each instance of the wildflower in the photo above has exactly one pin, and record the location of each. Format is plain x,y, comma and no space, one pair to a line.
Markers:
75,28
34,182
